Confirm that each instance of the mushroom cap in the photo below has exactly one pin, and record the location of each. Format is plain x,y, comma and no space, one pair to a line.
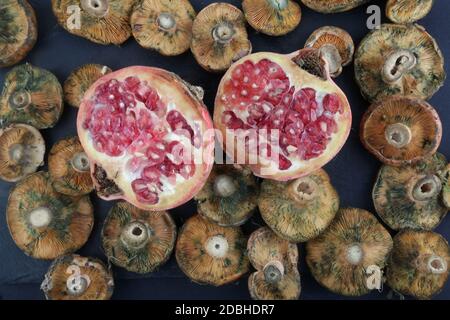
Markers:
69,168
300,209
73,277
163,25
22,151
330,39
379,56
44,223
229,196
31,95
446,187
418,264
80,80
333,6
272,17
18,31
407,11
410,196
211,254
219,37
101,21
401,130
137,240
339,257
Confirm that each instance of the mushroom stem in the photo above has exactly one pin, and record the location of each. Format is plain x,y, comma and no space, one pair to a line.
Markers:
135,235
166,21
273,272
40,217
80,162
432,264
303,190
223,33
397,64
77,284
17,152
398,135
278,4
224,186
355,254
426,188
331,54
20,99
217,246
96,8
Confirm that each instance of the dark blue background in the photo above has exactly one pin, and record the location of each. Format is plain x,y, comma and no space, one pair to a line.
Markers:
352,171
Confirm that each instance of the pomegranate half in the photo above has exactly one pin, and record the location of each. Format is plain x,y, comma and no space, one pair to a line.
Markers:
148,137
283,112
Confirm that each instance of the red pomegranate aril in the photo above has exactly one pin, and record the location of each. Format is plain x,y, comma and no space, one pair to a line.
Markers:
145,191
332,103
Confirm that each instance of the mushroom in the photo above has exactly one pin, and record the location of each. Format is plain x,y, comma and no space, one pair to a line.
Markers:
44,223
163,25
272,17
229,196
301,209
401,130
137,240
275,261
219,37
340,256
211,254
407,11
399,59
335,45
333,6
18,31
73,277
69,168
410,196
446,187
22,151
418,265
100,21
80,80
31,95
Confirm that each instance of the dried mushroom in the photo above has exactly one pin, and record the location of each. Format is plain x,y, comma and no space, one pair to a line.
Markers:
73,277
335,45
100,21
275,261
219,37
211,254
229,197
272,17
407,11
418,265
44,223
163,25
333,6
401,130
399,59
410,196
300,209
18,31
340,256
137,240
31,95
80,80
69,168
22,151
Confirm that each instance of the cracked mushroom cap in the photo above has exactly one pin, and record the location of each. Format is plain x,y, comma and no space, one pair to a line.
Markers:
80,80
418,264
219,37
399,59
137,240
229,196
31,95
211,254
101,21
446,187
401,130
69,168
410,196
44,223
22,151
272,17
339,257
73,277
300,209
18,31
163,25
275,261
336,46
407,11
333,6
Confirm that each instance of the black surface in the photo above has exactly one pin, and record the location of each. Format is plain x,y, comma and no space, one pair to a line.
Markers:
353,171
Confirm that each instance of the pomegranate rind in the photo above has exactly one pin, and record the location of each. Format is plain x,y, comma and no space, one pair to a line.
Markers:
300,79
173,90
